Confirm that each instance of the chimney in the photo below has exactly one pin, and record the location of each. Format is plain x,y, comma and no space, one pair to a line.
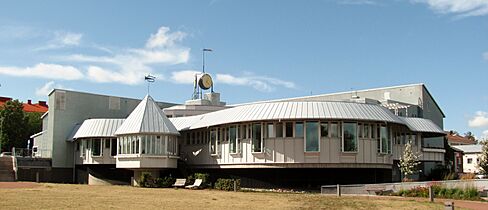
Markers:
29,102
43,103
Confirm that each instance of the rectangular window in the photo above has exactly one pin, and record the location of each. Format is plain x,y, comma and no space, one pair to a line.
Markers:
298,130
96,147
334,130
83,148
288,129
360,130
233,139
349,140
107,143
113,147
187,137
384,139
367,131
279,130
324,129
470,160
312,137
257,143
213,142
269,130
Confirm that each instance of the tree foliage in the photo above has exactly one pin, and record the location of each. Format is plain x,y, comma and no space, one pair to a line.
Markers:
16,126
483,165
409,161
12,125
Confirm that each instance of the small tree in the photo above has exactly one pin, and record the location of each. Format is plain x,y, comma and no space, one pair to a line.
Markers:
13,126
409,161
483,165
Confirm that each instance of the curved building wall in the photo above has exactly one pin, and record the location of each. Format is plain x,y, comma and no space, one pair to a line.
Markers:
288,148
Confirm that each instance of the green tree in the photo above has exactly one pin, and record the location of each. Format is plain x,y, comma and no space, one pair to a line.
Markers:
409,161
13,124
483,165
34,123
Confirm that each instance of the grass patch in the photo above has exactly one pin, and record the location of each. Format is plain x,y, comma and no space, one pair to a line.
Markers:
64,196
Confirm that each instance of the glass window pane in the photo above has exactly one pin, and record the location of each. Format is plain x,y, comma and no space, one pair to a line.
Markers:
213,141
324,129
96,147
349,143
113,147
279,130
384,139
288,129
233,139
333,130
298,129
312,138
256,138
270,130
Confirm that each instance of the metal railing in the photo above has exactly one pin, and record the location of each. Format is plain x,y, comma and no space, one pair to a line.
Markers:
26,152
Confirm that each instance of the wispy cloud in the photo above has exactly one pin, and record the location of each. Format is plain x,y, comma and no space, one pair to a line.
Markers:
485,56
128,66
42,70
61,40
47,88
260,83
484,135
461,8
479,120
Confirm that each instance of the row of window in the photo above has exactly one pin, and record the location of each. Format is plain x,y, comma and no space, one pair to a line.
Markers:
95,146
148,144
311,131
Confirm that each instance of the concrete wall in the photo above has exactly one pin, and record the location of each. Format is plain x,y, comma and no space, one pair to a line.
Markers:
68,108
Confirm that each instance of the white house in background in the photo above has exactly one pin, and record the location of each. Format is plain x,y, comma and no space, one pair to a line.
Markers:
471,157
350,137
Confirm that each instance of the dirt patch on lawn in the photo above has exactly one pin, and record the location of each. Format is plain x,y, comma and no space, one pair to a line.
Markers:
15,185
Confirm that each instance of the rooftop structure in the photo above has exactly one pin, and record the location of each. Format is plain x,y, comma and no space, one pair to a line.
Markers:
40,107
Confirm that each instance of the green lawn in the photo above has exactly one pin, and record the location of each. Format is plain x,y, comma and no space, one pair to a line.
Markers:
63,196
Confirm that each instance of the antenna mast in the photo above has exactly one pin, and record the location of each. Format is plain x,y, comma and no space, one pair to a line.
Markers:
149,79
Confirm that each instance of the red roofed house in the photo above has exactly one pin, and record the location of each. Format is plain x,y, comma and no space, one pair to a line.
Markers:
456,139
40,107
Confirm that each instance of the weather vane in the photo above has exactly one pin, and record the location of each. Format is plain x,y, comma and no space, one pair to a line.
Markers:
149,79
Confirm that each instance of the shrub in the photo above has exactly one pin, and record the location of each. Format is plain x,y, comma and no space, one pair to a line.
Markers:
227,184
205,179
166,181
469,193
146,180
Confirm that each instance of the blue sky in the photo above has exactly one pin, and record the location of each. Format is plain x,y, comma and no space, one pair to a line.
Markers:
262,49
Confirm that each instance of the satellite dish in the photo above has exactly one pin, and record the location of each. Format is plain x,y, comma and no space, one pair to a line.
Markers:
205,82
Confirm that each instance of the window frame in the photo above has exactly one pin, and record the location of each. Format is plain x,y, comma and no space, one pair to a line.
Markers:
356,138
253,151
317,132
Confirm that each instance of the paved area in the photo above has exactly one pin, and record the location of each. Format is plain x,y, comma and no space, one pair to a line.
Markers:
13,185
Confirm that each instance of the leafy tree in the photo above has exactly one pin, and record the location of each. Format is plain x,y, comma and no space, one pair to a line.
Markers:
409,161
13,124
34,123
469,135
483,165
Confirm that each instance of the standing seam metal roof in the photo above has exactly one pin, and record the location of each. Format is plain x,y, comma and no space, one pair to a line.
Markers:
146,118
98,128
288,111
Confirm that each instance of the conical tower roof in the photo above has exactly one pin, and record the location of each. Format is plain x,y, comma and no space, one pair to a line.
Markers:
147,118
